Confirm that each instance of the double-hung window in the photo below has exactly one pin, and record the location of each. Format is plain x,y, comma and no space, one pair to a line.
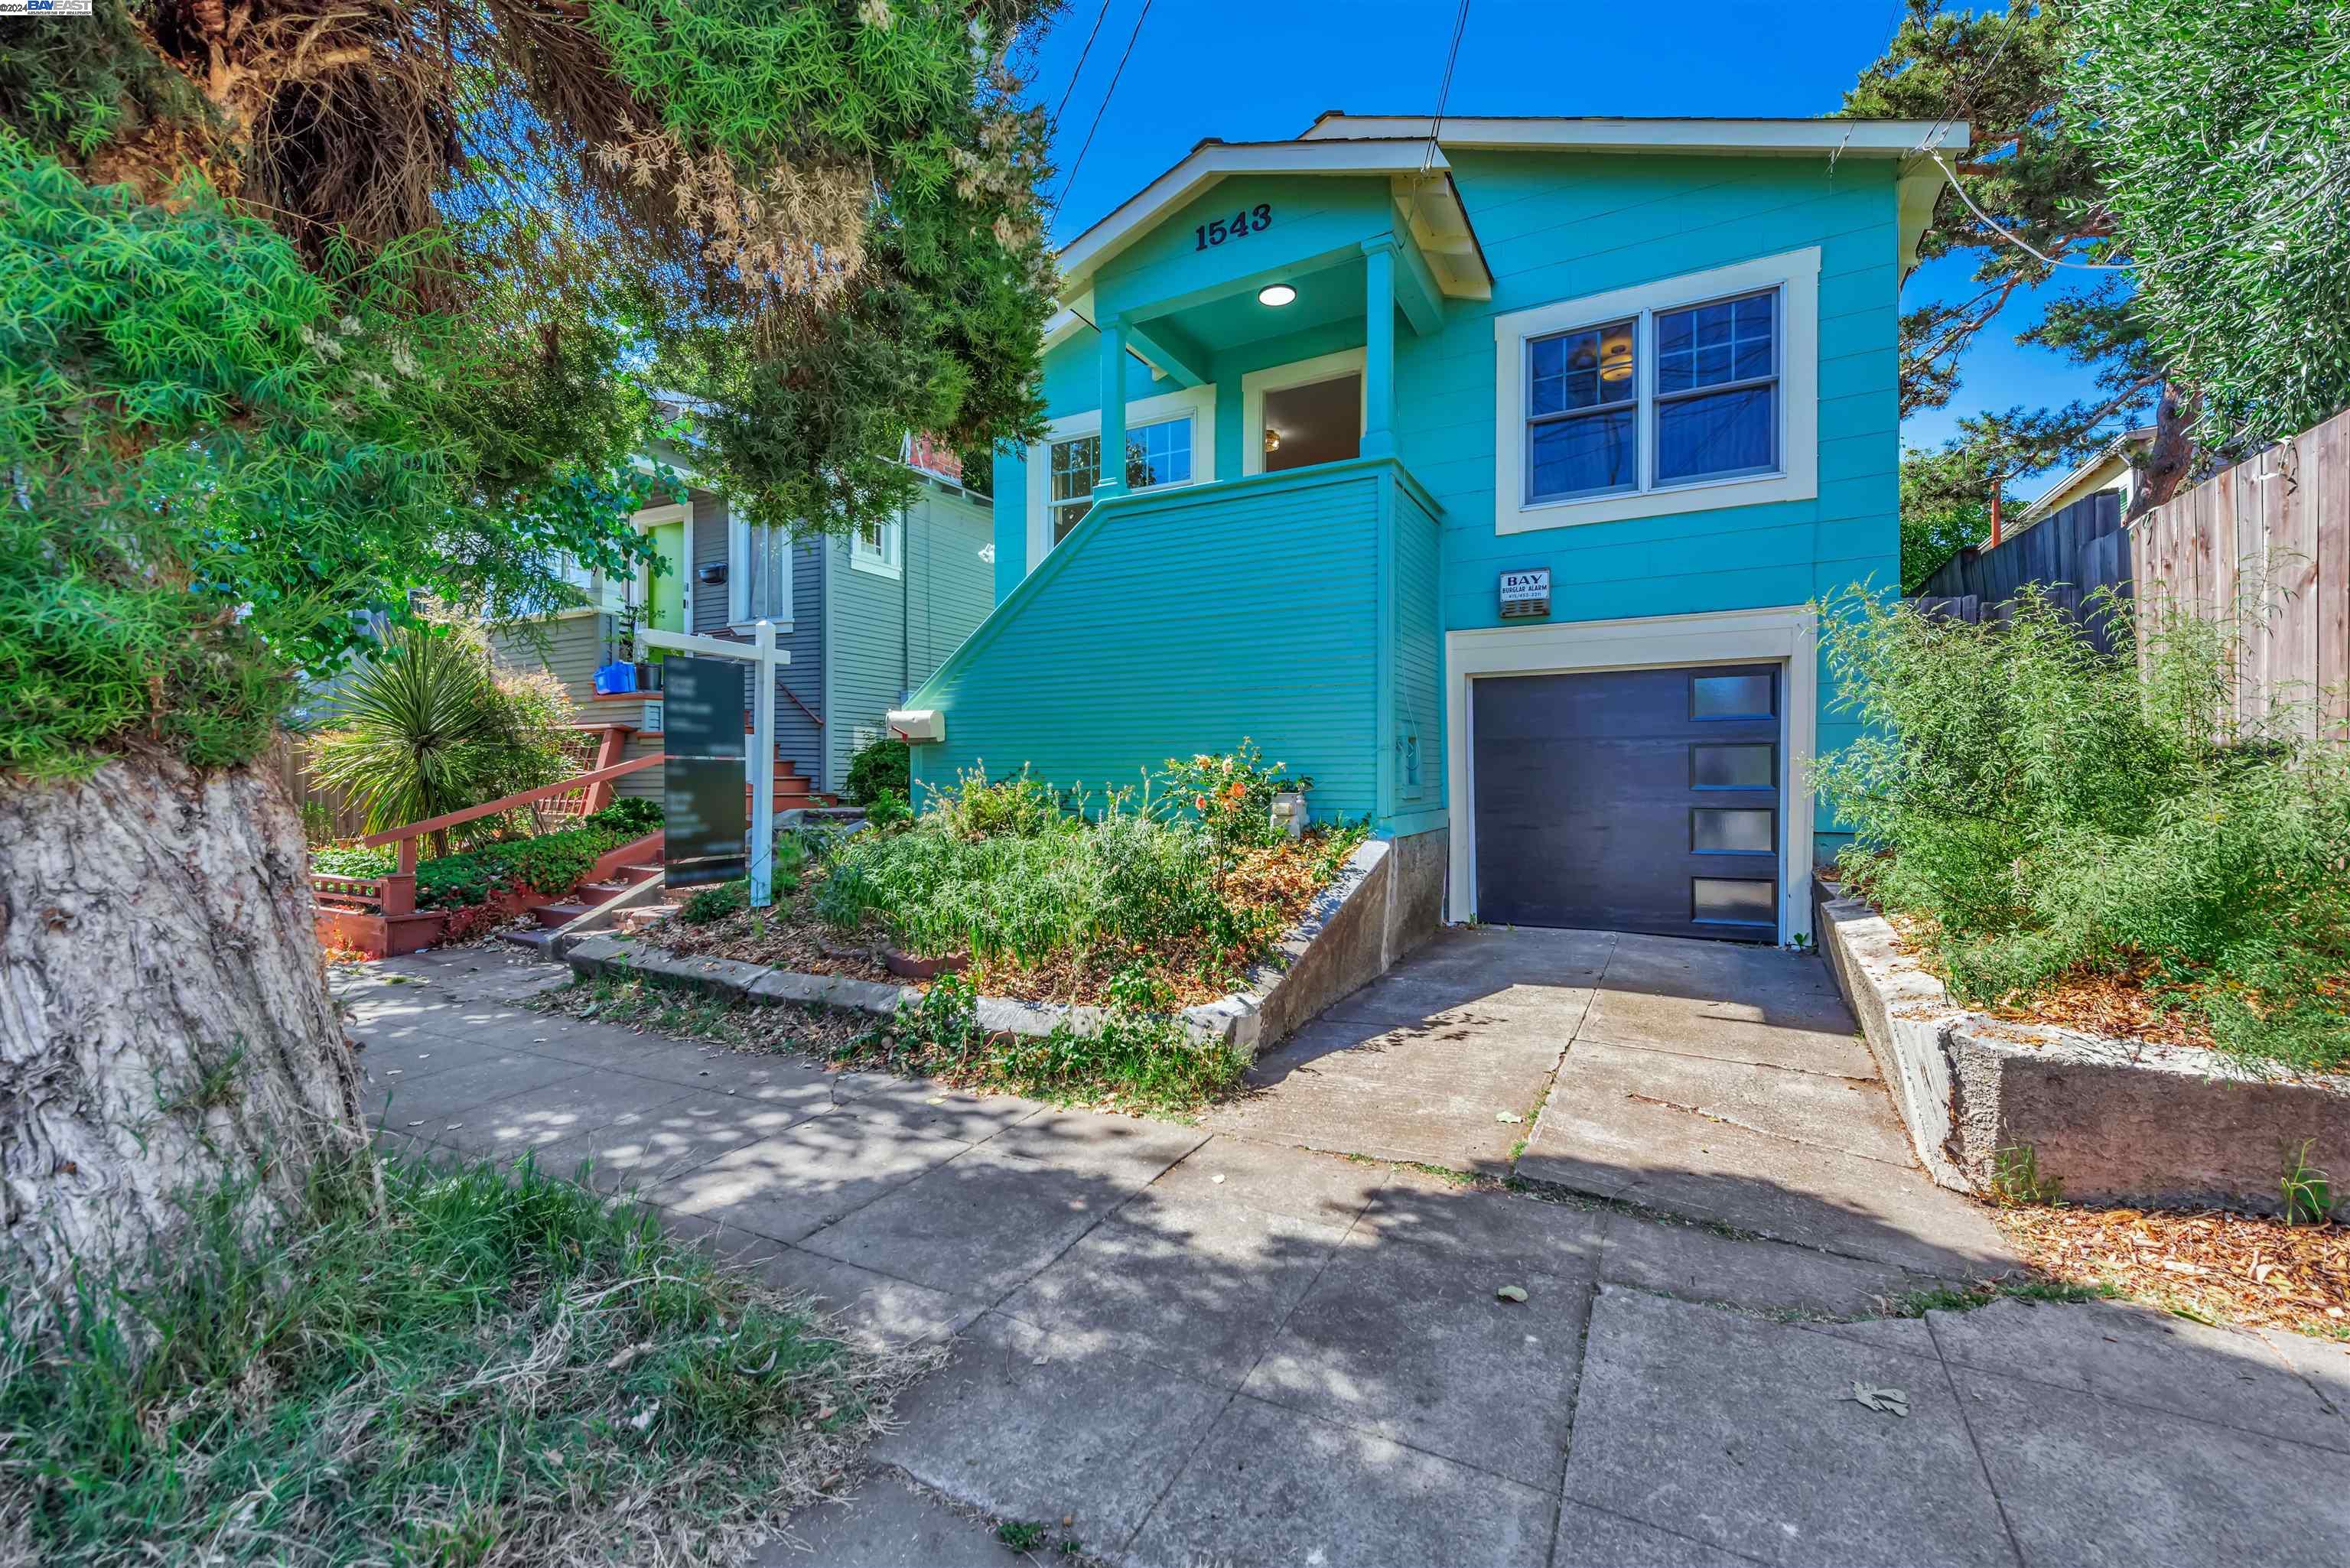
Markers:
760,575
876,545
1156,454
1700,383
1717,389
1682,394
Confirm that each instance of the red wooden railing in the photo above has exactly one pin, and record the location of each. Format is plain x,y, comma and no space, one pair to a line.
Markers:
396,894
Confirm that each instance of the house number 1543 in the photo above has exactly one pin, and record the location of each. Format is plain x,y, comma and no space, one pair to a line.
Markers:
1247,221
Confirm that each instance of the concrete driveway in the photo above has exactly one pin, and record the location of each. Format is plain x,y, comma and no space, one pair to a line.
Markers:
1276,1338
1705,1079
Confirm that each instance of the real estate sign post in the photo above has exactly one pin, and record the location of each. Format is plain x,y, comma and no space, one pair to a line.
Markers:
698,814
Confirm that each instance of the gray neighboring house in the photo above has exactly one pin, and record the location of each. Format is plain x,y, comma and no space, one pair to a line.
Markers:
867,620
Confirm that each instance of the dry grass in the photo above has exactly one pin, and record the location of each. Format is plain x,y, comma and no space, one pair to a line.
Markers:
499,1368
2211,1264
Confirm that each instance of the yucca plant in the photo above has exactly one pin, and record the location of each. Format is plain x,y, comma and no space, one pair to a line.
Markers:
429,726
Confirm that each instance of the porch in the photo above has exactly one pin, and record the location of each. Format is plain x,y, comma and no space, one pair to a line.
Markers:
1261,564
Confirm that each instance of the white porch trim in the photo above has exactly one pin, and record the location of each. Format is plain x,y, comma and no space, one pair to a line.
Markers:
1786,635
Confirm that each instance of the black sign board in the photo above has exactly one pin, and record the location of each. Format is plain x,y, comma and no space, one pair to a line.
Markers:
703,699
705,820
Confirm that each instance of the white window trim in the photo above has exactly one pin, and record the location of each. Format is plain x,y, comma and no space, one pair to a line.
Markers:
1785,635
1198,401
1255,384
1796,275
738,578
891,562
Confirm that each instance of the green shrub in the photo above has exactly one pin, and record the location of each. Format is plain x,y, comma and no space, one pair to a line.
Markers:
552,863
887,810
2051,809
1141,1051
708,906
431,725
1001,871
882,764
1232,793
628,815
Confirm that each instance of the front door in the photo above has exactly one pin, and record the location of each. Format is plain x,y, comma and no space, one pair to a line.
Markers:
1320,421
1631,800
663,592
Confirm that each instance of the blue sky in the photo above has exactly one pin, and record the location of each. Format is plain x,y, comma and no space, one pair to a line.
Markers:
1261,70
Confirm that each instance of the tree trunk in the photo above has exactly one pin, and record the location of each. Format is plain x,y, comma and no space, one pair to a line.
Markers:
2169,456
165,1025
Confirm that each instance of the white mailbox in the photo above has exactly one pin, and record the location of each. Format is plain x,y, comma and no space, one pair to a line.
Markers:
917,726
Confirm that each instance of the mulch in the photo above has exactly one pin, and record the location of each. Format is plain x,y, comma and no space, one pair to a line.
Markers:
2213,1264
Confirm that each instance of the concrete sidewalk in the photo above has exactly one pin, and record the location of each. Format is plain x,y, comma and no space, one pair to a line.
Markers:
1211,1346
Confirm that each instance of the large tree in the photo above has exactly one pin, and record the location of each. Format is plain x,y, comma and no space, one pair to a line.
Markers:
2042,237
306,304
2222,128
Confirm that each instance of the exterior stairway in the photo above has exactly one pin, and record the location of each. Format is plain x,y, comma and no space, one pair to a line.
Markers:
792,794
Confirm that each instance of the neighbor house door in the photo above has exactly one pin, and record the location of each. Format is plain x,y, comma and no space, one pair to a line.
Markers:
663,592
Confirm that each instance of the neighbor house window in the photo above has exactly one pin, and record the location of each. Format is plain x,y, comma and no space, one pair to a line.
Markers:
1677,395
760,575
1708,373
1156,454
876,545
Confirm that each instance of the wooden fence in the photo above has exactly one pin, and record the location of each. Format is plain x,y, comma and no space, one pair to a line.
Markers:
336,816
2073,553
2265,546
2262,549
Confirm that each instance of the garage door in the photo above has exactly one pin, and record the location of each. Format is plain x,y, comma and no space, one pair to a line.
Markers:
1634,800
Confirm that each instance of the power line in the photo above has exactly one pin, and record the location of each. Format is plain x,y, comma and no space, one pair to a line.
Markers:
1082,56
2010,236
1459,22
1067,184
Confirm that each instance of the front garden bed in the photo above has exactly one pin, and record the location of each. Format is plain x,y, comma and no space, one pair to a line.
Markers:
2027,1110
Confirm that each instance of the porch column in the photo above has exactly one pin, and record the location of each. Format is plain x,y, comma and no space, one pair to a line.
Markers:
1378,348
1112,480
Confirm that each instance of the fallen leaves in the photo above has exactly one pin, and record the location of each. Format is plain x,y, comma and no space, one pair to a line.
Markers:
2213,1264
1883,1401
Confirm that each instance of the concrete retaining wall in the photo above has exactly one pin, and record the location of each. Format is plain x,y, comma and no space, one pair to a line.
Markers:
1383,903
2121,1121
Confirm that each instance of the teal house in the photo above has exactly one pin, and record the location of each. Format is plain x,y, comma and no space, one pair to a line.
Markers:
1483,472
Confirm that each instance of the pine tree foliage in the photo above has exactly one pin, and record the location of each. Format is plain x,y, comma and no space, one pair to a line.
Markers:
308,304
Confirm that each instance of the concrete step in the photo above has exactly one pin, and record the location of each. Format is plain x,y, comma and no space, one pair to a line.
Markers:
597,892
632,875
629,921
563,914
534,938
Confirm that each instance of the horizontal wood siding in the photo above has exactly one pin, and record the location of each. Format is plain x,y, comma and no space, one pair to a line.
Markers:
1179,622
888,634
799,738
1552,227
1417,658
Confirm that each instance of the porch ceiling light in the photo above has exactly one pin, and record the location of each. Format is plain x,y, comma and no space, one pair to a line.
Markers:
1275,294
